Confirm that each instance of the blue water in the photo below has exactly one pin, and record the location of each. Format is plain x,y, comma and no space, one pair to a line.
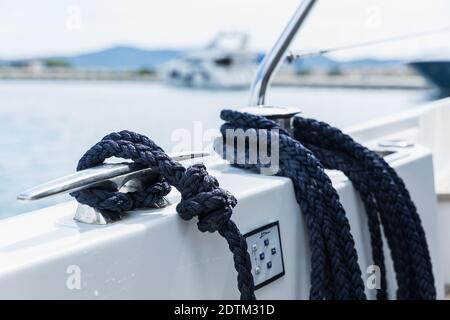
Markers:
46,126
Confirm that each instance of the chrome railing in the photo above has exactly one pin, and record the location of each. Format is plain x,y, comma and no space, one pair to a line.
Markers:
273,60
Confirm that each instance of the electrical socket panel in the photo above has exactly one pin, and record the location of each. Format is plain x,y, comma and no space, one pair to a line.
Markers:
266,254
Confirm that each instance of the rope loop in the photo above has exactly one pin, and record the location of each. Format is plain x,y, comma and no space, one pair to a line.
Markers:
201,194
335,273
387,202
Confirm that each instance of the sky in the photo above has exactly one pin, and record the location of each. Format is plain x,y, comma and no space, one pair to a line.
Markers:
32,28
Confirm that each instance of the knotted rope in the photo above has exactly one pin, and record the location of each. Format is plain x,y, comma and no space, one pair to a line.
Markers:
201,195
334,270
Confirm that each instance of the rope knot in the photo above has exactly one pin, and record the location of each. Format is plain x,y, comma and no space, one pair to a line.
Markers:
202,197
200,194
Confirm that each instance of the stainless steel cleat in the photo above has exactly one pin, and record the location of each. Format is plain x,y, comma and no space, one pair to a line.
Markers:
126,177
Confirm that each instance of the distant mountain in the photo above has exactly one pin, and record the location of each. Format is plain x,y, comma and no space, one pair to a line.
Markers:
325,63
317,62
365,63
115,58
131,58
122,58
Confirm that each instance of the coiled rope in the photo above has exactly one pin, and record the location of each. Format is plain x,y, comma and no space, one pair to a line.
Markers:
201,195
335,273
387,202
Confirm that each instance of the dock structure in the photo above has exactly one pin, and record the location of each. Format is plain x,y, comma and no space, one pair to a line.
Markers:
356,81
402,81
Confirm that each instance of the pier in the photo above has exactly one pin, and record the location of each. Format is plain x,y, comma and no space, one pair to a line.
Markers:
285,78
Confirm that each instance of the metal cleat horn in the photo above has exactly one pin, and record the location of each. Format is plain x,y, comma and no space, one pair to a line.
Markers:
125,176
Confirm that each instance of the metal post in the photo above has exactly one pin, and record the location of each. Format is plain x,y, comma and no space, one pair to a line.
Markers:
272,61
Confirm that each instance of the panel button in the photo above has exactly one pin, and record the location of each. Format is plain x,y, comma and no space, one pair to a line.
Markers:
262,256
274,251
269,264
266,242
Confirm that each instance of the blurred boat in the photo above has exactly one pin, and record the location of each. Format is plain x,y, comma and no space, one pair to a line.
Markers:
437,71
225,63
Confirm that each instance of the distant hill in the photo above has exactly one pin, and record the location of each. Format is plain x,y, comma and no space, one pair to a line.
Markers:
132,58
325,63
365,63
317,62
115,58
122,58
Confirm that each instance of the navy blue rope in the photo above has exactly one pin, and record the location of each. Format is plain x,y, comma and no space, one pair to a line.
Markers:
384,194
335,273
201,195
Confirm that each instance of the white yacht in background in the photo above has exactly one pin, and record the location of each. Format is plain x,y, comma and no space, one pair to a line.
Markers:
153,254
226,63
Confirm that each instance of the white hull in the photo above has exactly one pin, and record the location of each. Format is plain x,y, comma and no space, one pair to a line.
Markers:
209,76
153,254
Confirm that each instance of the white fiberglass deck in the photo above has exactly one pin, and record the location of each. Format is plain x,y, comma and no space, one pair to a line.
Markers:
155,254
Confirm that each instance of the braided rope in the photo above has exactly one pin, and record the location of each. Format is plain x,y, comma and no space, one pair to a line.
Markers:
384,194
335,273
201,195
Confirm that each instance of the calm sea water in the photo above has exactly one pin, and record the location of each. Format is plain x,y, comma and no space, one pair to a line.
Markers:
46,126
